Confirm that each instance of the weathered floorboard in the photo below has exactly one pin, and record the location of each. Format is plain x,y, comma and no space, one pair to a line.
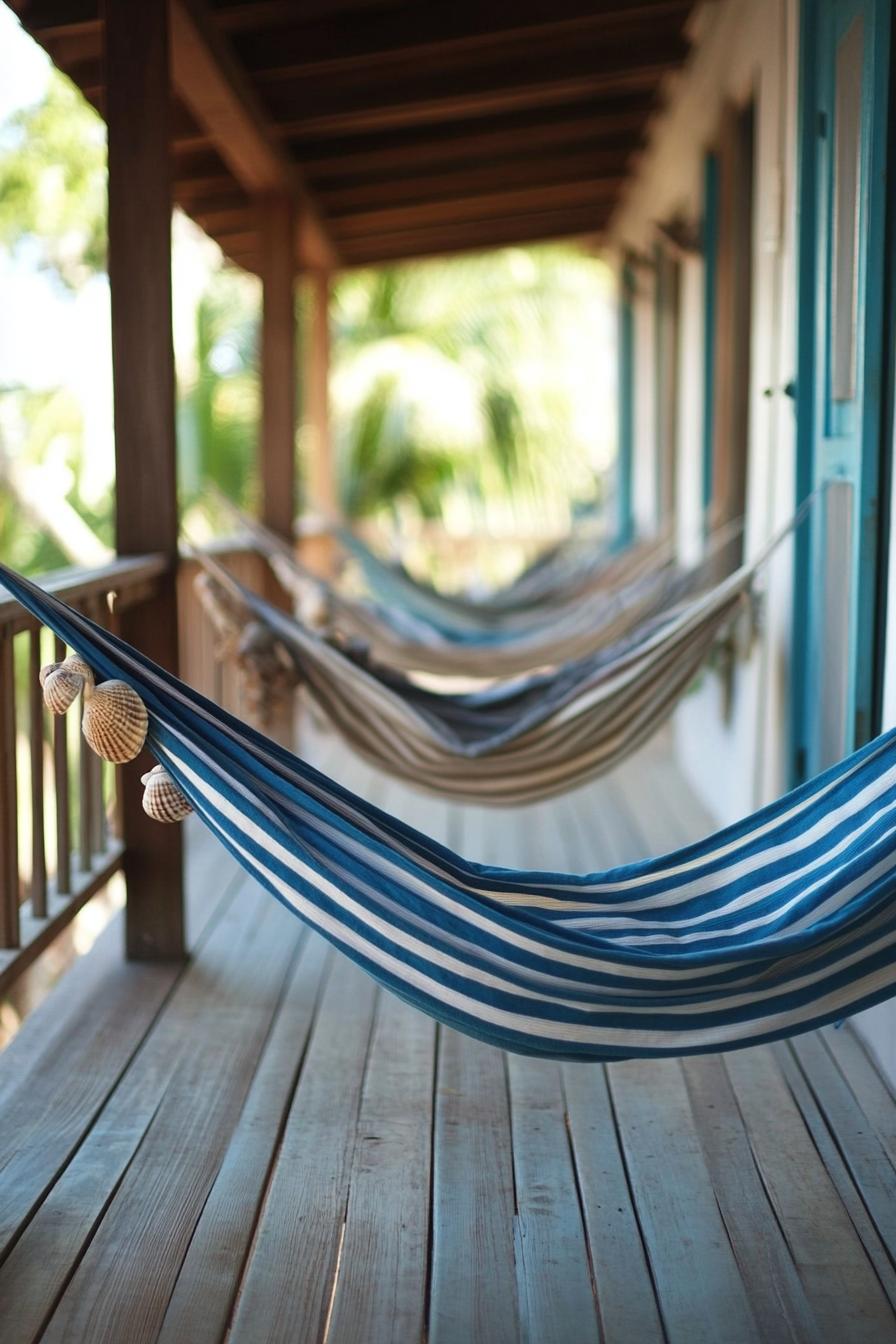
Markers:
473,1293
701,1293
769,1274
555,1280
209,1278
872,1173
262,1147
838,1170
381,1288
215,1031
841,1286
626,1303
286,1292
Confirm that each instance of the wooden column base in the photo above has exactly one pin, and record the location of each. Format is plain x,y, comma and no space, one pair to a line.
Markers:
153,862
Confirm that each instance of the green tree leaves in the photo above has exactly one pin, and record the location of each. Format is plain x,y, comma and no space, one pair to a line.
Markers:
53,183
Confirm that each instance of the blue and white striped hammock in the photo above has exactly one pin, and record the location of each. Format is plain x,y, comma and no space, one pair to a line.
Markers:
781,923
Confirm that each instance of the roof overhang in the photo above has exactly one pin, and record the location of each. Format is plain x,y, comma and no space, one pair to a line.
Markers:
401,130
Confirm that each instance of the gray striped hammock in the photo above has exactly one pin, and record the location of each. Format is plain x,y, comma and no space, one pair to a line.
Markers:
495,618
517,741
776,925
626,589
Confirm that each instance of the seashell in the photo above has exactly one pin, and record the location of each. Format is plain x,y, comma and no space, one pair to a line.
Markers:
63,682
47,670
163,800
115,721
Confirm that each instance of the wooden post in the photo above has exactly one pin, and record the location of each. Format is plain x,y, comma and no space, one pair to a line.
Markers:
10,896
320,493
278,364
137,102
277,231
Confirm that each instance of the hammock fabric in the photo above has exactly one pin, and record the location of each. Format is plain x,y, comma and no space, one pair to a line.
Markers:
562,577
781,923
515,742
635,586
559,572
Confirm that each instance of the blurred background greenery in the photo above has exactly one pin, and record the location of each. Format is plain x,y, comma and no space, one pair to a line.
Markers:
470,399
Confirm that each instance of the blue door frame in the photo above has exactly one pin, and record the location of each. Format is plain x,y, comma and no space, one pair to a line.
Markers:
711,262
840,385
625,457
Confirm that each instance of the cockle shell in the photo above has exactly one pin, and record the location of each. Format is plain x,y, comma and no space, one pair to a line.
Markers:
63,682
115,721
162,799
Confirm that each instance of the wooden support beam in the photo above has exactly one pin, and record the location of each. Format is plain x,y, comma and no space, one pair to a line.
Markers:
137,82
431,37
277,237
558,169
213,87
331,107
278,364
595,125
480,207
475,235
319,492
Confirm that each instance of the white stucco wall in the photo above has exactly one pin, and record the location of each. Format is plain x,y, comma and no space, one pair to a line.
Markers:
744,49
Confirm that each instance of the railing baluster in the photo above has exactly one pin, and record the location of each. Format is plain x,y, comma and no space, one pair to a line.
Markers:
85,801
115,827
38,844
9,839
89,849
63,802
98,611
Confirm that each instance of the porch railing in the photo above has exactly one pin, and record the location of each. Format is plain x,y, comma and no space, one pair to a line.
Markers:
200,667
60,837
60,830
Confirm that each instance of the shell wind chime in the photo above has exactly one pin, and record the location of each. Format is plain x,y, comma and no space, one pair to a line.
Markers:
115,724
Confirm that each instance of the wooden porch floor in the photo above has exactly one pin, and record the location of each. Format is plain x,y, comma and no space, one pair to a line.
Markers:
262,1147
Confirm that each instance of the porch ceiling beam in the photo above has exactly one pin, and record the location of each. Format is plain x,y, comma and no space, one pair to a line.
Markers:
436,35
594,124
65,44
239,242
221,220
55,15
474,235
269,13
214,187
482,207
215,198
447,184
329,107
214,89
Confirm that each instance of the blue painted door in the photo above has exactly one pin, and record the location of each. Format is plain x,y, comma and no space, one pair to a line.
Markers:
839,379
625,461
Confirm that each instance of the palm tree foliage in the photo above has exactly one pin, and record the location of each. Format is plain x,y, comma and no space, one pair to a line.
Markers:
218,409
458,389
458,380
53,182
45,513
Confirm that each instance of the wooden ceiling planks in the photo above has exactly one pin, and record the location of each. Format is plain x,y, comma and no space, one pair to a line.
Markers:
401,128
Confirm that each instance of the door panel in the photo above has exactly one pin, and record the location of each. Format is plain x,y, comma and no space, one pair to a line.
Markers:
837,590
845,73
